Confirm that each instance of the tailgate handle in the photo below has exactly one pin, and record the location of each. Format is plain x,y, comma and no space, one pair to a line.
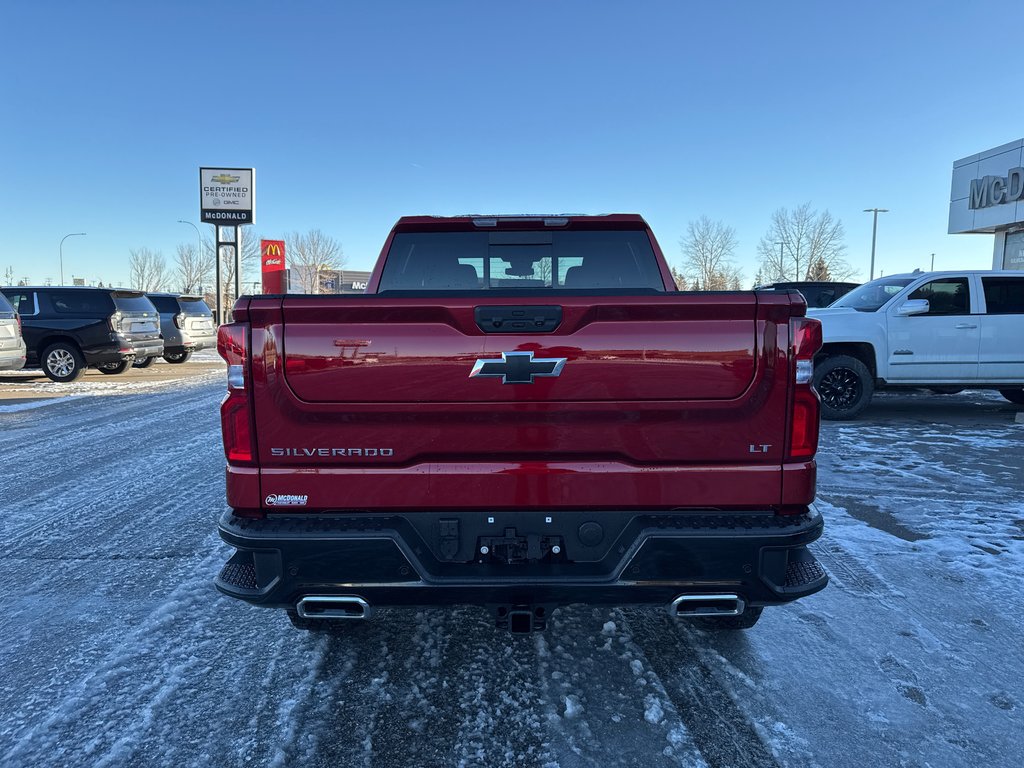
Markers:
529,318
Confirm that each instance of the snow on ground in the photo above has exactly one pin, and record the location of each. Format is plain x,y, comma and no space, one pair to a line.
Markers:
118,651
204,368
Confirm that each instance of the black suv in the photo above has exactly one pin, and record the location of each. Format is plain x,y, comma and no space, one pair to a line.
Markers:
68,329
817,293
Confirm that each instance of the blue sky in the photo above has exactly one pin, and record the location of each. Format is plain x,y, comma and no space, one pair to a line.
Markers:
355,114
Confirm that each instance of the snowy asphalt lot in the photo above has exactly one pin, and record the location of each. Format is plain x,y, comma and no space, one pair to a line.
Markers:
117,651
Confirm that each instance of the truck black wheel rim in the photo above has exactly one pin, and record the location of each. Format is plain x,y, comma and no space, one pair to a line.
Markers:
840,388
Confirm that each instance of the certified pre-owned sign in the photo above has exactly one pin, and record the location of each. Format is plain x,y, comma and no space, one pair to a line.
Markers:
227,196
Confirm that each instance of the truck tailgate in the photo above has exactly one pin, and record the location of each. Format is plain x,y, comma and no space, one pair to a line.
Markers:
670,400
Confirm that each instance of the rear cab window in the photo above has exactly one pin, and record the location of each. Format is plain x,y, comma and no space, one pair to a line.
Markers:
521,260
133,302
1003,295
192,306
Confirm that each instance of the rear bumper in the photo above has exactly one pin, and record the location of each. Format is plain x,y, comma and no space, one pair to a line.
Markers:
147,347
431,558
12,358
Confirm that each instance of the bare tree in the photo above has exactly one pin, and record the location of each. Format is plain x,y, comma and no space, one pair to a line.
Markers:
9,276
708,251
797,240
193,269
311,253
147,270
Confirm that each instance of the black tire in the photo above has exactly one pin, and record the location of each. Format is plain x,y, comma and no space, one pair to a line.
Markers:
844,385
63,362
1013,395
143,362
325,626
745,620
113,369
177,357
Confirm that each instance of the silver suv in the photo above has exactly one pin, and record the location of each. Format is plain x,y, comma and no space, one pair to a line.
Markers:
12,345
186,324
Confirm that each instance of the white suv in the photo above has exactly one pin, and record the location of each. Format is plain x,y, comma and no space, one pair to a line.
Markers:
942,330
12,345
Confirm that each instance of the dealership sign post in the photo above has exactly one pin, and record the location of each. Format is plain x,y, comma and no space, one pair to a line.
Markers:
227,199
273,265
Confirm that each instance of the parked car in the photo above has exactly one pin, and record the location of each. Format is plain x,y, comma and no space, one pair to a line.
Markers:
186,324
69,329
817,293
12,345
944,331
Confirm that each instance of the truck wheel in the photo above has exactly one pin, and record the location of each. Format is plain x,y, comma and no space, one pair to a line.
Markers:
143,362
745,620
845,386
114,368
177,357
63,362
1013,395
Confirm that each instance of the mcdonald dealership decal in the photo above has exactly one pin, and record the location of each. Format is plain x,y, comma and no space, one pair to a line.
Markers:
273,255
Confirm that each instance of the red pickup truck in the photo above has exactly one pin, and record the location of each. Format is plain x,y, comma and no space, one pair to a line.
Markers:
522,412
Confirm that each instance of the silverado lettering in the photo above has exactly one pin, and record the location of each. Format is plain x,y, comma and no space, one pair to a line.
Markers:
566,427
332,452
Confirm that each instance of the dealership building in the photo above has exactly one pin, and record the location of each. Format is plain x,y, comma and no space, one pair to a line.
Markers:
987,197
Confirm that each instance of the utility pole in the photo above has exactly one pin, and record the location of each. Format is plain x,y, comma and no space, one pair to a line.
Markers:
933,263
874,233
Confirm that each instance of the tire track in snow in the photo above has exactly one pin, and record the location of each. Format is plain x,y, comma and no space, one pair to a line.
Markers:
721,730
605,706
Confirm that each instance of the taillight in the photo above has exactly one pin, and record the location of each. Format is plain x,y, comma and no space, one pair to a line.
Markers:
805,335
17,316
115,322
179,321
235,411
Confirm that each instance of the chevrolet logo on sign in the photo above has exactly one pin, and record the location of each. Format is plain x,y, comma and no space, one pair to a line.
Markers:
518,367
225,179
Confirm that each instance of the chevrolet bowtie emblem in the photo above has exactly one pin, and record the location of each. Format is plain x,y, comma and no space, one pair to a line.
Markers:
518,367
224,178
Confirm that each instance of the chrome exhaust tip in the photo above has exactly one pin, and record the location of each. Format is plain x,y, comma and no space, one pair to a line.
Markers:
333,607
686,606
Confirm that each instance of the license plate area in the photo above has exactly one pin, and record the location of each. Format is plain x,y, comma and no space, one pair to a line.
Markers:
513,548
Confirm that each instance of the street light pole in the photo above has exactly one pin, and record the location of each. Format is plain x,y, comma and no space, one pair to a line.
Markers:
933,263
199,254
60,250
874,233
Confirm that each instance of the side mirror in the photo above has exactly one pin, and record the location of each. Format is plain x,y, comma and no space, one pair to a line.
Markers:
913,307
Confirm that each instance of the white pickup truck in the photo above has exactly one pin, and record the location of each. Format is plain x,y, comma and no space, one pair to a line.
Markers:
944,331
